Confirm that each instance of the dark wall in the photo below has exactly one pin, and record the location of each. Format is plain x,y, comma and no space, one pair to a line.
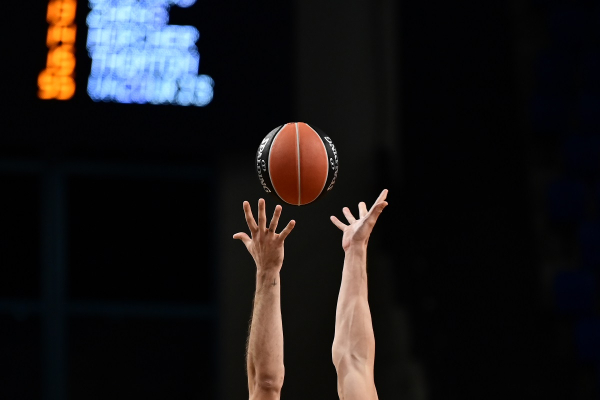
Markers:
471,277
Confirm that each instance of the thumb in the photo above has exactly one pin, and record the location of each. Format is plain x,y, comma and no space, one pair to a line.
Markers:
243,237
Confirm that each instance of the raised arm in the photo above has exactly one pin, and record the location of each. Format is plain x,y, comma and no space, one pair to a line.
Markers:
264,356
353,349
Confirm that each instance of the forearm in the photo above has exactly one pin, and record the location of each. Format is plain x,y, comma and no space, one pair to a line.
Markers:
265,343
354,335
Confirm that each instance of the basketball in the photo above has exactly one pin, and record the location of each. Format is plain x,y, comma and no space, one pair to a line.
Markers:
297,162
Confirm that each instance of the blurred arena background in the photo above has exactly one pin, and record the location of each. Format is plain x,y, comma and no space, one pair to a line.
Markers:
126,149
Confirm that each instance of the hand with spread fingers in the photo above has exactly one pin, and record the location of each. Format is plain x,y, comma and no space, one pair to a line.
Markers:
265,246
357,231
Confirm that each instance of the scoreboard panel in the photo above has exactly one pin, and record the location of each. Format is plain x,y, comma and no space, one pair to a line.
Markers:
110,76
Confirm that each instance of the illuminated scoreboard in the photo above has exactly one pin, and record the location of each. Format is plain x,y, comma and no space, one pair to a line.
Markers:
136,55
145,78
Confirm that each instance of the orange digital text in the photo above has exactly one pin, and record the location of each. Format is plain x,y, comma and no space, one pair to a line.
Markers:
57,81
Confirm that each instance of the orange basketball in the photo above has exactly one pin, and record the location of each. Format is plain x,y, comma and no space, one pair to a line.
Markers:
297,162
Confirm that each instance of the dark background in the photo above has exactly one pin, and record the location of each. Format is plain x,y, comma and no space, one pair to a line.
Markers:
119,277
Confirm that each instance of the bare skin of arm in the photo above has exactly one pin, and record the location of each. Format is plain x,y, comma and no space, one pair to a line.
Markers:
265,342
353,350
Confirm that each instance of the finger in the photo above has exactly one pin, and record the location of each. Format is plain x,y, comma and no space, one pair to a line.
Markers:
376,212
286,231
362,209
262,215
275,219
348,215
249,217
338,223
381,198
243,237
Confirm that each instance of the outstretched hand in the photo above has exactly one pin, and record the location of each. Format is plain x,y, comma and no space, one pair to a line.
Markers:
357,231
265,246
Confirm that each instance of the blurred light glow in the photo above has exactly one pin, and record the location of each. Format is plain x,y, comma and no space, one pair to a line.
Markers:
57,80
138,58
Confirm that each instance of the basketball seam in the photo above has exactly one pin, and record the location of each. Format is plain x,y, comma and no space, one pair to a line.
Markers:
272,143
298,152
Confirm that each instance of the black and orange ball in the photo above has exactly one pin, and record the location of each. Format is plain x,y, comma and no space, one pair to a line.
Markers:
297,162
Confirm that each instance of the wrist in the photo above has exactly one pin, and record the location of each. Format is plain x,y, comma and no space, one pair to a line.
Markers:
356,248
267,271
268,264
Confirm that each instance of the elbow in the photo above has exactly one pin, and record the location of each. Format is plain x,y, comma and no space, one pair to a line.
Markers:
341,352
269,382
344,358
337,353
